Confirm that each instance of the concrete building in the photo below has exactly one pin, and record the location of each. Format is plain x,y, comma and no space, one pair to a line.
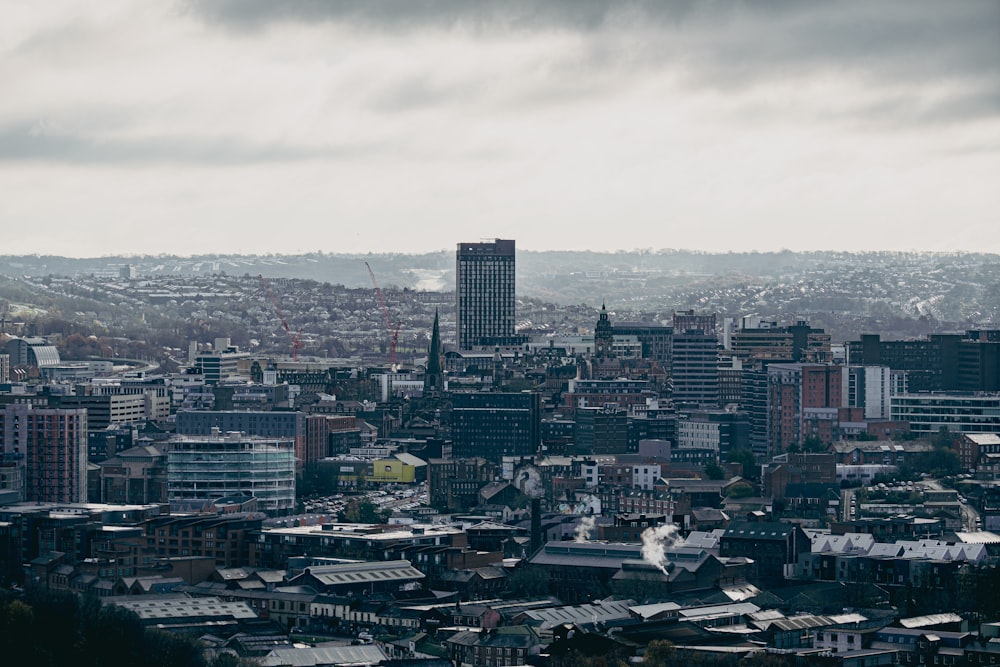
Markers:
757,340
221,362
656,339
103,411
495,425
627,394
958,412
723,431
694,368
601,431
204,468
869,387
484,294
51,444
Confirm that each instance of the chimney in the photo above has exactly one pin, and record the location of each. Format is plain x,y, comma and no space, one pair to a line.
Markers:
536,524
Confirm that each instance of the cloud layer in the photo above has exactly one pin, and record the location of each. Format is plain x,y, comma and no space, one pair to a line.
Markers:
411,124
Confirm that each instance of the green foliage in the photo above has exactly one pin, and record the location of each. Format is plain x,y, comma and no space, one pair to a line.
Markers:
813,445
362,510
660,653
944,438
57,629
746,458
714,471
941,462
740,490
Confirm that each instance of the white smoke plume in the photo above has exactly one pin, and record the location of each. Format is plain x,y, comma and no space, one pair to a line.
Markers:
530,483
583,529
655,541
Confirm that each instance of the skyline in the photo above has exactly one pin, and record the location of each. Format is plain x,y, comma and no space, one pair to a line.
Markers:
266,127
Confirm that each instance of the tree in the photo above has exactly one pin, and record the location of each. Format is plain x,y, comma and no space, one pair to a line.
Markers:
746,459
944,439
659,653
362,510
813,445
714,471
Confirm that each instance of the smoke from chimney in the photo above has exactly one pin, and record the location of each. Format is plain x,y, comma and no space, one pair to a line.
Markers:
655,541
584,528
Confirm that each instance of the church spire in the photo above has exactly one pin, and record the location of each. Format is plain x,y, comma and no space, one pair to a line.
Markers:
432,374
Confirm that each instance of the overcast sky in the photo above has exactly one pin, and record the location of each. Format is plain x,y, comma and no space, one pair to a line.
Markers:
410,125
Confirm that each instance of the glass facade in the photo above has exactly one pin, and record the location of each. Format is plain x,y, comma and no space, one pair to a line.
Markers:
232,464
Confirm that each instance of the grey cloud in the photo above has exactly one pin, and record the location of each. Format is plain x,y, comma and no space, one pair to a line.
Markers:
724,45
900,110
420,92
409,14
34,143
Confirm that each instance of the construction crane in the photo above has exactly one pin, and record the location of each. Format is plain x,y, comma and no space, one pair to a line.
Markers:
296,337
393,331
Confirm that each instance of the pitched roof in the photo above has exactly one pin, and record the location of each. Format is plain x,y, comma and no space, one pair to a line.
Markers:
355,573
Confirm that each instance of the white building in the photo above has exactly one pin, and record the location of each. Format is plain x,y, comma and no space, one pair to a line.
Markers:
221,465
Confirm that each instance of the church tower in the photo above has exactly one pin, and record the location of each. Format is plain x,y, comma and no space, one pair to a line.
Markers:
604,336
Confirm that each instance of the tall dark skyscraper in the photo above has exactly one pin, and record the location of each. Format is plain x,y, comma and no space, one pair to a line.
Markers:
484,294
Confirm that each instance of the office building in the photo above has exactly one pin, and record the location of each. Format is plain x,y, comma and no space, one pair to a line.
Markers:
756,339
495,425
723,431
484,295
869,387
219,363
622,393
694,370
930,364
276,424
601,431
206,468
655,339
958,412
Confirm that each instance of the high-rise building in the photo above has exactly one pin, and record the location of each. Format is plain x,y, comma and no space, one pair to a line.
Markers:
803,400
868,387
51,444
484,294
694,364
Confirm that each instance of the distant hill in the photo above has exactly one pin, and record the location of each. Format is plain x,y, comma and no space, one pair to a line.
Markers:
942,290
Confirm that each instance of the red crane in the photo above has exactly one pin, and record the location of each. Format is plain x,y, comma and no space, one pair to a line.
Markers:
296,337
393,331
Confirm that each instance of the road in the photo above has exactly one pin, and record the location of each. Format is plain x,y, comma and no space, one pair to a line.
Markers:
970,516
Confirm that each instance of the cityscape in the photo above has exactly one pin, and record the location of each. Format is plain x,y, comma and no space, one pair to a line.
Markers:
533,333
270,469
